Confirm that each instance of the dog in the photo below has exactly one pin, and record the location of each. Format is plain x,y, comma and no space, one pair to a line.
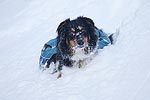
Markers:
79,34
75,36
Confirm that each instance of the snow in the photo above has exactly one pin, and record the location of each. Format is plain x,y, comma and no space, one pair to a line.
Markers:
119,72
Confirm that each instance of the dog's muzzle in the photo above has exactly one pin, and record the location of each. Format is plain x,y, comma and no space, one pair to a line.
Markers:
80,40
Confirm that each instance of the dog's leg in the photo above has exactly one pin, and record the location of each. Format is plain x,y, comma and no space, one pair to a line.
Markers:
59,74
48,63
59,68
80,63
113,37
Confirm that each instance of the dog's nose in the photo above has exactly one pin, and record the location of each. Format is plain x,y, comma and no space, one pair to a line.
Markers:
80,42
80,39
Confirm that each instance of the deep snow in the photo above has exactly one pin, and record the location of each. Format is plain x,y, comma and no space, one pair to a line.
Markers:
119,72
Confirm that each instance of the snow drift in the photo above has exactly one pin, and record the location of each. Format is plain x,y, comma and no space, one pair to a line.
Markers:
119,72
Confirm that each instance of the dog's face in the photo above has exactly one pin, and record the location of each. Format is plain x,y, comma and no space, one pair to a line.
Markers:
77,33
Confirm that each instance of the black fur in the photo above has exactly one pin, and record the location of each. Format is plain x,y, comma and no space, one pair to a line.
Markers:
63,30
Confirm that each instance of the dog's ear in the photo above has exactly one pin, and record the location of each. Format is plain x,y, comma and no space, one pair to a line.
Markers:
87,20
61,27
91,30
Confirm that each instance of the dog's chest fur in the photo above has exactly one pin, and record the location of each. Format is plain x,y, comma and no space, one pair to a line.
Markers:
78,54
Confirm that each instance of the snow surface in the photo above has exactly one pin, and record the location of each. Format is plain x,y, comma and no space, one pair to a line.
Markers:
119,72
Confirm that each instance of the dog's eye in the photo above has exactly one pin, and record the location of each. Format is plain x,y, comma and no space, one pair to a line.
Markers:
71,37
84,33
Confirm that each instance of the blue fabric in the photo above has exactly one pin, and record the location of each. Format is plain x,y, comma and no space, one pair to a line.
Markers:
48,52
103,38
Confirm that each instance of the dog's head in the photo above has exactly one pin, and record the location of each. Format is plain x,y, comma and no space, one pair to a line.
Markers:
78,32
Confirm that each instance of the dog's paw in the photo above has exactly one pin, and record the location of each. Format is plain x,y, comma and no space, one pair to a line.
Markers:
59,75
80,63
